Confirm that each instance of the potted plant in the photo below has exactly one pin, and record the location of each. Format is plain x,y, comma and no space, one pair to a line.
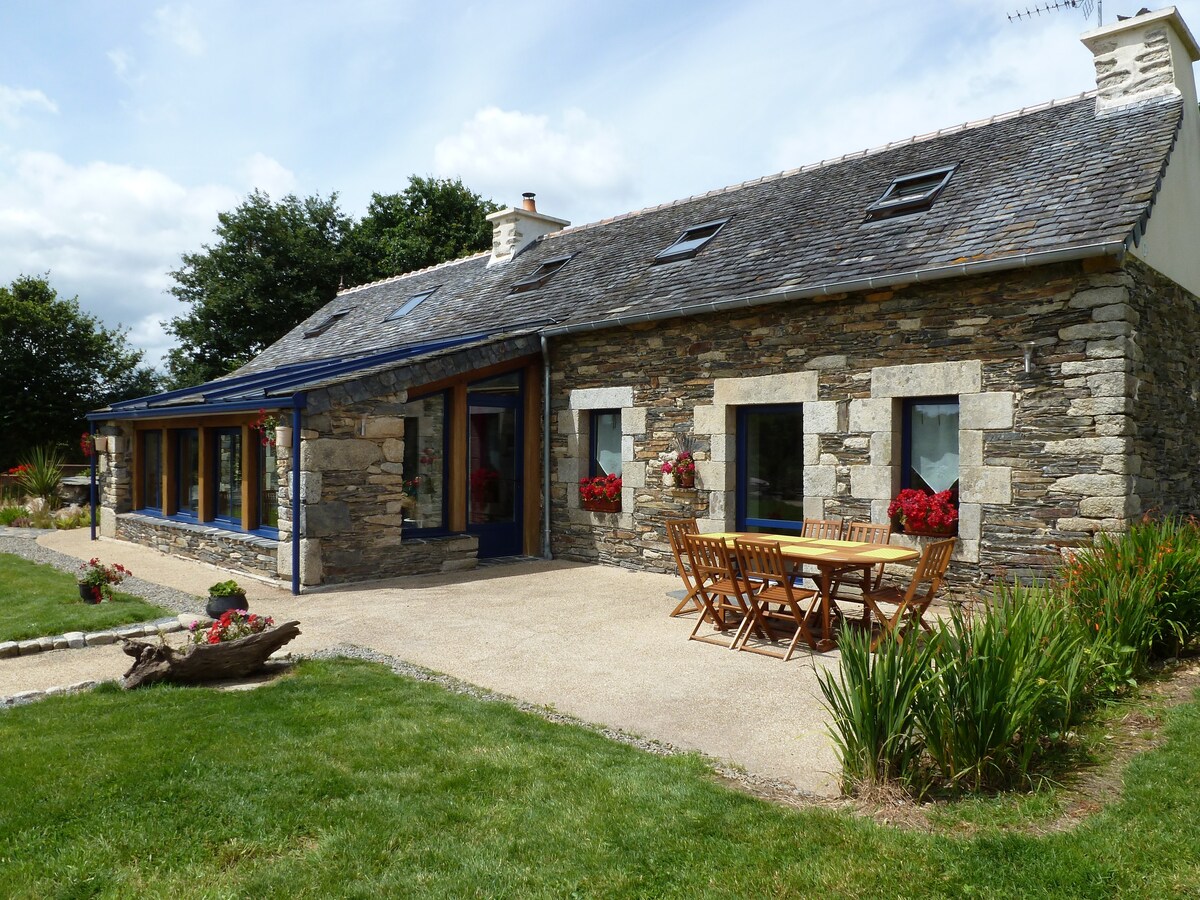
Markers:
224,596
668,468
96,580
685,469
923,512
601,494
267,427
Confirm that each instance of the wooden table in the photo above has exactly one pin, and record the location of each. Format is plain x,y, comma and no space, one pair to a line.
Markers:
830,557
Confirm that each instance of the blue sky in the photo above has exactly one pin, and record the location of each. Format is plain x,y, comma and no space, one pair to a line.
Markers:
125,127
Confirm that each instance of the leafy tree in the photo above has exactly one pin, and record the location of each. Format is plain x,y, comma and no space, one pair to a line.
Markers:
431,221
56,364
273,265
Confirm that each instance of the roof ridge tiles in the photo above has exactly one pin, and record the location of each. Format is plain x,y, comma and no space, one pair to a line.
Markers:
809,167
403,275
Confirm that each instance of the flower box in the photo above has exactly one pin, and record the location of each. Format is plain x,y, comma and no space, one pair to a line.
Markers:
607,506
917,512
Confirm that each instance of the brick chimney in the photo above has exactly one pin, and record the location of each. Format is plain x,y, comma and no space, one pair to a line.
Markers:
515,229
1148,55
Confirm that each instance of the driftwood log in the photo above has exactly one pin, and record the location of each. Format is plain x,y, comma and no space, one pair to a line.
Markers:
205,662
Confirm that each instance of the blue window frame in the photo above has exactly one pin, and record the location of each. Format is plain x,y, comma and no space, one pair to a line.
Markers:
151,449
187,473
427,426
227,476
770,468
929,457
605,443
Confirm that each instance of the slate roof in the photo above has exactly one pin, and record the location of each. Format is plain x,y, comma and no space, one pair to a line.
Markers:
1049,178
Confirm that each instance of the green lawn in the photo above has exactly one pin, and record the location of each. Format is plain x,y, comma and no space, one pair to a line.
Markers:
38,600
345,780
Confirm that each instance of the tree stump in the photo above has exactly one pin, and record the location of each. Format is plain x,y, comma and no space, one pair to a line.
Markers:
204,662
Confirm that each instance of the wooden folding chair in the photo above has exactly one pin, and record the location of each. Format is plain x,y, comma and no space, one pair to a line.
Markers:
822,529
908,607
869,533
676,529
762,564
722,591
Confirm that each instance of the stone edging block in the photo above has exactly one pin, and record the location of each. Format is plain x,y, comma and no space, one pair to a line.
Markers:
78,640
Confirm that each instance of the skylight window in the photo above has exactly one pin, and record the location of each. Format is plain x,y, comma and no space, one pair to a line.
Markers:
541,275
691,241
411,303
325,324
910,193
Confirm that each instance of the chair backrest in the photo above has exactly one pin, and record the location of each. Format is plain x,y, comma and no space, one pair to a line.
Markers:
868,532
822,529
676,529
710,558
762,561
931,570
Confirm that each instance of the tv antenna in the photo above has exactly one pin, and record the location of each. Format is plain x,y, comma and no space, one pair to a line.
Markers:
1050,7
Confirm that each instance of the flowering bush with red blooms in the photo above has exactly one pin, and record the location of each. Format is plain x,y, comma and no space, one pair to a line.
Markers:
17,470
922,511
234,624
602,487
100,577
685,463
265,426
87,444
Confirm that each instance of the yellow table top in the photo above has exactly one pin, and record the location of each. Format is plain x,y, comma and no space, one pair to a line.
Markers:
822,551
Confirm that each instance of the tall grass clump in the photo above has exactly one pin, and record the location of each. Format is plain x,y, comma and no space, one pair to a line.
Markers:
1005,688
41,475
1137,595
873,703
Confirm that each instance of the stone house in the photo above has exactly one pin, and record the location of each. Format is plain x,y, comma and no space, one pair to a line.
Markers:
1007,309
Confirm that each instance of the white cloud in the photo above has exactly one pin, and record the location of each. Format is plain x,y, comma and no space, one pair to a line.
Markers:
13,100
266,174
108,233
177,24
503,153
122,63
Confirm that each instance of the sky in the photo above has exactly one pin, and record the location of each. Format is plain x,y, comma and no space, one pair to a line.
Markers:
126,127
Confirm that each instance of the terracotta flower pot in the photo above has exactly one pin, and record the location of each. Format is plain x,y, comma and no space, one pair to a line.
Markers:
687,479
609,506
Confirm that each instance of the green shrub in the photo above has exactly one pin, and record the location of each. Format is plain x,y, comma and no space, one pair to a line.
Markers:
11,514
873,704
1137,595
42,475
1006,686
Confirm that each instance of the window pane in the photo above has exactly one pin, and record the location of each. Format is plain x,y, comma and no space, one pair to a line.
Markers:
152,470
424,470
492,451
606,443
933,444
268,486
773,480
188,461
229,475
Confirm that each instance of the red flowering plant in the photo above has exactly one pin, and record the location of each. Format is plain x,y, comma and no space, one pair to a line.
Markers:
87,443
602,489
101,578
233,624
265,425
923,511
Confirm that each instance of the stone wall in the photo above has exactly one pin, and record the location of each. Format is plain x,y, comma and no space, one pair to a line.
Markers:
352,495
1044,454
1161,364
221,547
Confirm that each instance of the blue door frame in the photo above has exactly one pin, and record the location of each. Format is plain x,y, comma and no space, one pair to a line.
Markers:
745,522
503,537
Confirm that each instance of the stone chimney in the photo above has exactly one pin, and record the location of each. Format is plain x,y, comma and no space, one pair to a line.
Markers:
1148,55
515,229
